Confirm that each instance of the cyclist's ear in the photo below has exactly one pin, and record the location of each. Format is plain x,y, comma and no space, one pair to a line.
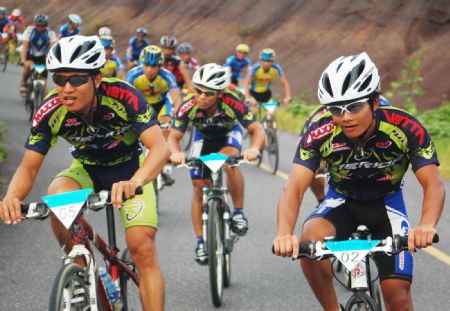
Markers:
97,80
376,103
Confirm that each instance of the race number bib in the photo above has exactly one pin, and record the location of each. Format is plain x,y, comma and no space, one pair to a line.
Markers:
351,252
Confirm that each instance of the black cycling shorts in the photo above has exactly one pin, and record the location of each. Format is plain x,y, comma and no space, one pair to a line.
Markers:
261,97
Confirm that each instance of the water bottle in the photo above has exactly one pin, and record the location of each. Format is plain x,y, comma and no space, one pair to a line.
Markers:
111,289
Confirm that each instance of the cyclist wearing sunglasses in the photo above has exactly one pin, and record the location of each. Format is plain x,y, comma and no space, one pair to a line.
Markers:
367,149
216,115
104,119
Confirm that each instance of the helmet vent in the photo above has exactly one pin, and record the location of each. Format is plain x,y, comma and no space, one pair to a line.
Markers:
365,84
75,54
326,83
216,76
93,58
57,52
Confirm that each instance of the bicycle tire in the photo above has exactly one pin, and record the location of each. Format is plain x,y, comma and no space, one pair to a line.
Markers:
155,188
63,289
362,301
227,252
215,253
187,139
271,149
128,289
5,59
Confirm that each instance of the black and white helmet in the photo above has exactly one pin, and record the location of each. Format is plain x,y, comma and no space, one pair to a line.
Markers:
76,53
348,79
213,76
169,42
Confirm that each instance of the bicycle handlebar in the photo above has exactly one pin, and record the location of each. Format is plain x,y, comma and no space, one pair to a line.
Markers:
194,162
95,202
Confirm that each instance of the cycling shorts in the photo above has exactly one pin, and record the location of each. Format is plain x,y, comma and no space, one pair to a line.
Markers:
201,146
138,211
384,217
163,108
261,97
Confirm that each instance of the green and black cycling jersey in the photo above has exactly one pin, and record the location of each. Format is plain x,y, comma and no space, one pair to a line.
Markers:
121,115
375,169
230,109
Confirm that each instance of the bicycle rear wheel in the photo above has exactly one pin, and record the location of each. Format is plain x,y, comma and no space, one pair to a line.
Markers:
271,149
360,301
215,253
70,291
128,289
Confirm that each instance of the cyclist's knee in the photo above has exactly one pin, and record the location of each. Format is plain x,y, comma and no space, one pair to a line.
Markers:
141,244
397,294
316,229
62,184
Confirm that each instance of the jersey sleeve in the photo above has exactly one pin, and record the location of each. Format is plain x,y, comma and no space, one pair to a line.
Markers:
242,111
131,41
120,65
51,36
181,119
133,74
422,150
62,29
279,70
27,34
229,62
307,152
170,79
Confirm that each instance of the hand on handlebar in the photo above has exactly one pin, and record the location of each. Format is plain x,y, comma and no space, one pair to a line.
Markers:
286,101
10,212
420,237
178,158
286,245
251,154
126,188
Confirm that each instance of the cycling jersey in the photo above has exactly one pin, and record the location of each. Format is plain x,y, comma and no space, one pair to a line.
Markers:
65,31
112,66
261,80
230,110
375,169
122,114
136,47
39,42
191,66
156,90
3,22
172,63
236,66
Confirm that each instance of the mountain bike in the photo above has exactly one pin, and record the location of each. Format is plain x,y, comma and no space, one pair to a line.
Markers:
35,89
355,255
216,218
81,288
270,128
4,55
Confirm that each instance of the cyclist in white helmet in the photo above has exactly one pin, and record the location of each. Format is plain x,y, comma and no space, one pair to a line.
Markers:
106,130
71,28
216,115
367,148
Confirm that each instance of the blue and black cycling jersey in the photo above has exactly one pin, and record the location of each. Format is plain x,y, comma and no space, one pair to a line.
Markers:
65,31
136,47
236,66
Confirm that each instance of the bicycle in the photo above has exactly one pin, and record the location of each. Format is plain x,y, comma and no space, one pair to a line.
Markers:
270,128
4,56
80,288
355,255
216,214
35,89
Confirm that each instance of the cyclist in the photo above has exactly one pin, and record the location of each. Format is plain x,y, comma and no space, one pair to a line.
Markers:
185,50
172,62
16,19
262,74
215,113
71,28
103,119
156,84
3,22
37,41
367,148
239,64
113,66
135,46
10,25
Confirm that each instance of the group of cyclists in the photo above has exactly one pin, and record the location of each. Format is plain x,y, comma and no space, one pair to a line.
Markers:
109,112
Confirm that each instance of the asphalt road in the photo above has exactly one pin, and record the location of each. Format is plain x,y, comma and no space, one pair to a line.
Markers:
30,257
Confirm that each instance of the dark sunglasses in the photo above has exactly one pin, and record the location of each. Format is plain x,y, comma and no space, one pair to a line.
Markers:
73,80
351,108
208,93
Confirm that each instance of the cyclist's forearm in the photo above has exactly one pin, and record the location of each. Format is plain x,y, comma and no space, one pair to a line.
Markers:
432,205
21,183
174,143
288,210
286,87
258,137
154,161
176,98
23,52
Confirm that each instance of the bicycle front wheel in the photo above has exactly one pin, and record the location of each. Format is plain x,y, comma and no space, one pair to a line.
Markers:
37,100
360,301
128,289
4,59
271,149
188,136
70,291
215,253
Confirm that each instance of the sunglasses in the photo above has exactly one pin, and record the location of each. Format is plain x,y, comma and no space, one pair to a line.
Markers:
73,80
199,91
351,108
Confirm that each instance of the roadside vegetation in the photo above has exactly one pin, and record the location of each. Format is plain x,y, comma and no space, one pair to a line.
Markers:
405,91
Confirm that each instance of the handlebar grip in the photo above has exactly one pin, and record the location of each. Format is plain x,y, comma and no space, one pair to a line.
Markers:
139,190
403,240
24,208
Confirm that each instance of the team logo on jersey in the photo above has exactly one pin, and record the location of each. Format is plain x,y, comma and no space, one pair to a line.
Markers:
405,122
320,132
134,208
108,116
383,144
45,109
186,106
362,154
72,122
318,116
428,152
340,147
121,93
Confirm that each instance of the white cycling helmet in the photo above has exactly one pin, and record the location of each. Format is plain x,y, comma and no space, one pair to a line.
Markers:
16,12
213,76
76,53
104,31
76,19
348,79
